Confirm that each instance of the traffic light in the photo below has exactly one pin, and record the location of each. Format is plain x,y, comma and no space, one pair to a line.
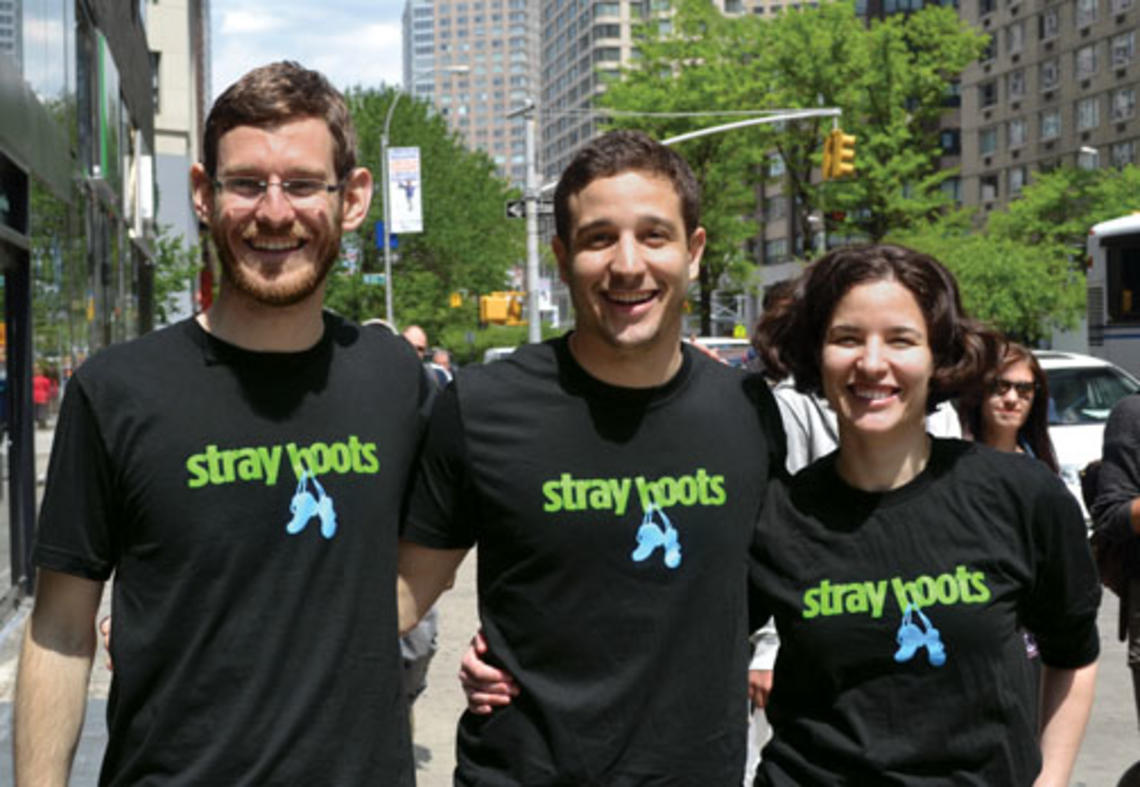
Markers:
493,308
828,156
838,155
502,308
515,309
455,300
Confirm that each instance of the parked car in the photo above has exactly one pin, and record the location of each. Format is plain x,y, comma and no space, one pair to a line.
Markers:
732,351
492,354
1082,392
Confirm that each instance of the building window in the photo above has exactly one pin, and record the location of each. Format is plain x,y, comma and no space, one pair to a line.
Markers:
1086,61
1050,74
1018,177
775,165
155,80
1120,6
949,140
952,188
987,93
989,188
1050,26
1015,85
1123,153
1123,103
987,140
1123,47
986,7
775,208
1050,124
1085,13
1015,38
775,250
733,6
1088,113
1018,132
990,50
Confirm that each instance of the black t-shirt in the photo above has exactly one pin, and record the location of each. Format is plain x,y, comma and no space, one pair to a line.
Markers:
247,504
612,527
901,660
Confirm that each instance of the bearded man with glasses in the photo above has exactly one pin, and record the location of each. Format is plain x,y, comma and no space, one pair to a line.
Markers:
240,474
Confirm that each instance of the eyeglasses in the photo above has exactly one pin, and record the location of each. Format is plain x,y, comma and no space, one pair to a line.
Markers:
296,190
1001,386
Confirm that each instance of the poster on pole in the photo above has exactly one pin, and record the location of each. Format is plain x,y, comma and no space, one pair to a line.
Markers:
404,192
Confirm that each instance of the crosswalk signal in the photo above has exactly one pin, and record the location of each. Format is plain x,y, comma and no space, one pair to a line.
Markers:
838,155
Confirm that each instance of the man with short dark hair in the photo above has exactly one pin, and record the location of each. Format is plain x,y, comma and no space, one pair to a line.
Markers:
244,490
605,480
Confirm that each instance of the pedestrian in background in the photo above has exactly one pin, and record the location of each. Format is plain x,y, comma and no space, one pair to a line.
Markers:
1009,411
1116,517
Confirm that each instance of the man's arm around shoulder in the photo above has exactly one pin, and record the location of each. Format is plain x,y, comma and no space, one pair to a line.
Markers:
51,686
422,574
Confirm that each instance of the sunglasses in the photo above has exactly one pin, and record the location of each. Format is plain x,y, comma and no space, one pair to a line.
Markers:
1001,386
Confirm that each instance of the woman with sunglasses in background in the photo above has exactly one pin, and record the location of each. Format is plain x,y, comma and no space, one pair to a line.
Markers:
1010,410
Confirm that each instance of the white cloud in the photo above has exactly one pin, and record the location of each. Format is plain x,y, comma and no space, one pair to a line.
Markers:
246,23
352,42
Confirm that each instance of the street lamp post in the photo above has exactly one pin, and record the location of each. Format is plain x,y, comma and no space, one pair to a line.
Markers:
387,240
387,211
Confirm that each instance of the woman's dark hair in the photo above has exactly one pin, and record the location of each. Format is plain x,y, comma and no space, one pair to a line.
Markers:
778,298
1035,431
962,349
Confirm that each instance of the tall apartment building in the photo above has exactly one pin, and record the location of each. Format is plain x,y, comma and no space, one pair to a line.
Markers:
1057,85
10,29
178,36
476,61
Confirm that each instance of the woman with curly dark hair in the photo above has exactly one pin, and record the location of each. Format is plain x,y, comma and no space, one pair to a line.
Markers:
900,567
1010,410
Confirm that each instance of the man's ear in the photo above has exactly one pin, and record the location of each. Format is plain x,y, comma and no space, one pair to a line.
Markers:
201,192
563,256
357,198
696,252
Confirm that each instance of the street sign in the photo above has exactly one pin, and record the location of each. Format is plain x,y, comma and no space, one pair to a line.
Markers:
374,278
516,208
393,240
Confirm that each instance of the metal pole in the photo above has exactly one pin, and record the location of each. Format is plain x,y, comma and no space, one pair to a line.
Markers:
534,325
387,212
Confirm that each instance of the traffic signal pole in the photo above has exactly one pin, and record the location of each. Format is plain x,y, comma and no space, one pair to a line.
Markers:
534,325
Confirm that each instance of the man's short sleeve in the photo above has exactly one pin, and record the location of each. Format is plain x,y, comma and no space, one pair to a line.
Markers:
1061,608
441,512
77,518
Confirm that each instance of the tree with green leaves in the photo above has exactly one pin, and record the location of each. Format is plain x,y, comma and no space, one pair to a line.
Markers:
1024,290
467,246
175,264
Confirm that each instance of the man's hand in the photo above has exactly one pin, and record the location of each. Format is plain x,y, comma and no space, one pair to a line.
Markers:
759,686
105,630
486,687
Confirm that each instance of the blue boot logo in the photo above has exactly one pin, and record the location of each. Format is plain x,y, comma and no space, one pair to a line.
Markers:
304,507
651,535
911,638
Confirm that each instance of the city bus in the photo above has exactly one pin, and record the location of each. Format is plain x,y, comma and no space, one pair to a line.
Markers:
1114,291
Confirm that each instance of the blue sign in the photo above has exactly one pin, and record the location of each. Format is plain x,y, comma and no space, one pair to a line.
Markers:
393,240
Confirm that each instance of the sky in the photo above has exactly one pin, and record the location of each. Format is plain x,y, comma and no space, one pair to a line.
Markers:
350,41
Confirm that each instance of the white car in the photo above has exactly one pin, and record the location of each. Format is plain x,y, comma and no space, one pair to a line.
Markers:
1082,392
492,354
